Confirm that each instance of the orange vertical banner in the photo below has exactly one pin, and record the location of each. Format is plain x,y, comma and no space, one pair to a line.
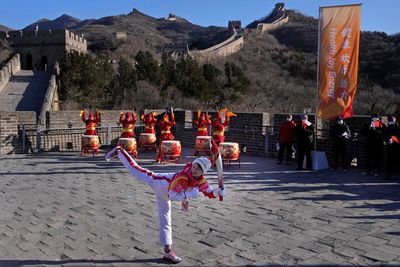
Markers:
339,41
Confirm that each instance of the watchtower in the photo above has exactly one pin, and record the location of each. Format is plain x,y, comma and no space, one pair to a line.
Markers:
40,49
235,27
280,6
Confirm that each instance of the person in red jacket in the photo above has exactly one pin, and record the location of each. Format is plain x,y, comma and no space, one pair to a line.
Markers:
166,123
149,122
91,122
202,122
286,136
128,124
179,186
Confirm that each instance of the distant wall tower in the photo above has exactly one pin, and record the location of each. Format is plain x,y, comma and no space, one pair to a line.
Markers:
40,49
235,27
280,6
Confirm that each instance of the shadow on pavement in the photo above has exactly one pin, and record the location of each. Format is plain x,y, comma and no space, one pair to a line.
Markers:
84,262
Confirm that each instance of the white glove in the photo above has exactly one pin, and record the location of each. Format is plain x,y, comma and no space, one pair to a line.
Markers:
222,193
113,153
192,193
219,192
344,134
390,141
372,125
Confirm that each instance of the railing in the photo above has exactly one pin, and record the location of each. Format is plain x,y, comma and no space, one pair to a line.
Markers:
36,138
253,139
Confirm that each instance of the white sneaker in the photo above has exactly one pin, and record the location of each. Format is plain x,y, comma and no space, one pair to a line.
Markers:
112,153
172,257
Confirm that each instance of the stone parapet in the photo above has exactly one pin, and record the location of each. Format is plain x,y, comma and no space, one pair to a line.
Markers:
256,133
11,134
13,66
221,50
265,27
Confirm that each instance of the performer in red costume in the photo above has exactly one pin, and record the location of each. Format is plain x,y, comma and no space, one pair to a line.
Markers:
165,124
219,127
202,122
91,122
128,124
149,122
179,186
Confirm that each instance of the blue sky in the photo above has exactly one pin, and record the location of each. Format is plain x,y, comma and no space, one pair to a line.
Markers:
377,15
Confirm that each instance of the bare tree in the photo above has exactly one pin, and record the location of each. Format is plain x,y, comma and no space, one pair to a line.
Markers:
147,96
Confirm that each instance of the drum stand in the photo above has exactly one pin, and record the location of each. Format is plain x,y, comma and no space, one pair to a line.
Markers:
202,152
229,161
166,158
85,151
145,147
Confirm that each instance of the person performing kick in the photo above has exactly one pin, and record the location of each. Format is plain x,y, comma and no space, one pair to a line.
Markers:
178,186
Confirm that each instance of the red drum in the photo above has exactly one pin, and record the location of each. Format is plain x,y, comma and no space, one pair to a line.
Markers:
90,142
229,150
171,148
203,143
147,139
129,144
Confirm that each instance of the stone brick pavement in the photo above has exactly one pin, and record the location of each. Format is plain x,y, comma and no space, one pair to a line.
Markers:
66,210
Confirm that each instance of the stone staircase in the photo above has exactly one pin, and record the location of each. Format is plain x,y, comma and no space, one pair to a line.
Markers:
25,91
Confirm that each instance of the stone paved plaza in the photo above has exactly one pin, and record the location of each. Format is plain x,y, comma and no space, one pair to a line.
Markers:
61,209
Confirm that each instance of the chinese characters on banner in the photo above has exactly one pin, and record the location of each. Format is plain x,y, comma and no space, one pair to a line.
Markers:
338,60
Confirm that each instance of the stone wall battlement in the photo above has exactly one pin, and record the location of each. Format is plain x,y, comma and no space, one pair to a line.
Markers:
265,27
13,66
221,50
47,37
228,47
256,133
40,49
50,102
217,46
75,40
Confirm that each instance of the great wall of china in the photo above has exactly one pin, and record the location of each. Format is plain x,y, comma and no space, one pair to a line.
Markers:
278,11
265,27
236,41
39,50
228,47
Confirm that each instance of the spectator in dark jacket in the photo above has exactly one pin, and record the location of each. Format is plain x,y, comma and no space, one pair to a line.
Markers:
286,135
304,134
340,134
374,131
392,138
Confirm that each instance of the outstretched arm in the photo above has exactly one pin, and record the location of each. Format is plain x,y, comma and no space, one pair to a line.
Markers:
194,192
191,193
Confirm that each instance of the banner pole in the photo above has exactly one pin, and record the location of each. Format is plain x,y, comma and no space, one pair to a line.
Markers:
317,93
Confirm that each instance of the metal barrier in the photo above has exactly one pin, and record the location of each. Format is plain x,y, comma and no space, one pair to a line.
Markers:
253,139
38,138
